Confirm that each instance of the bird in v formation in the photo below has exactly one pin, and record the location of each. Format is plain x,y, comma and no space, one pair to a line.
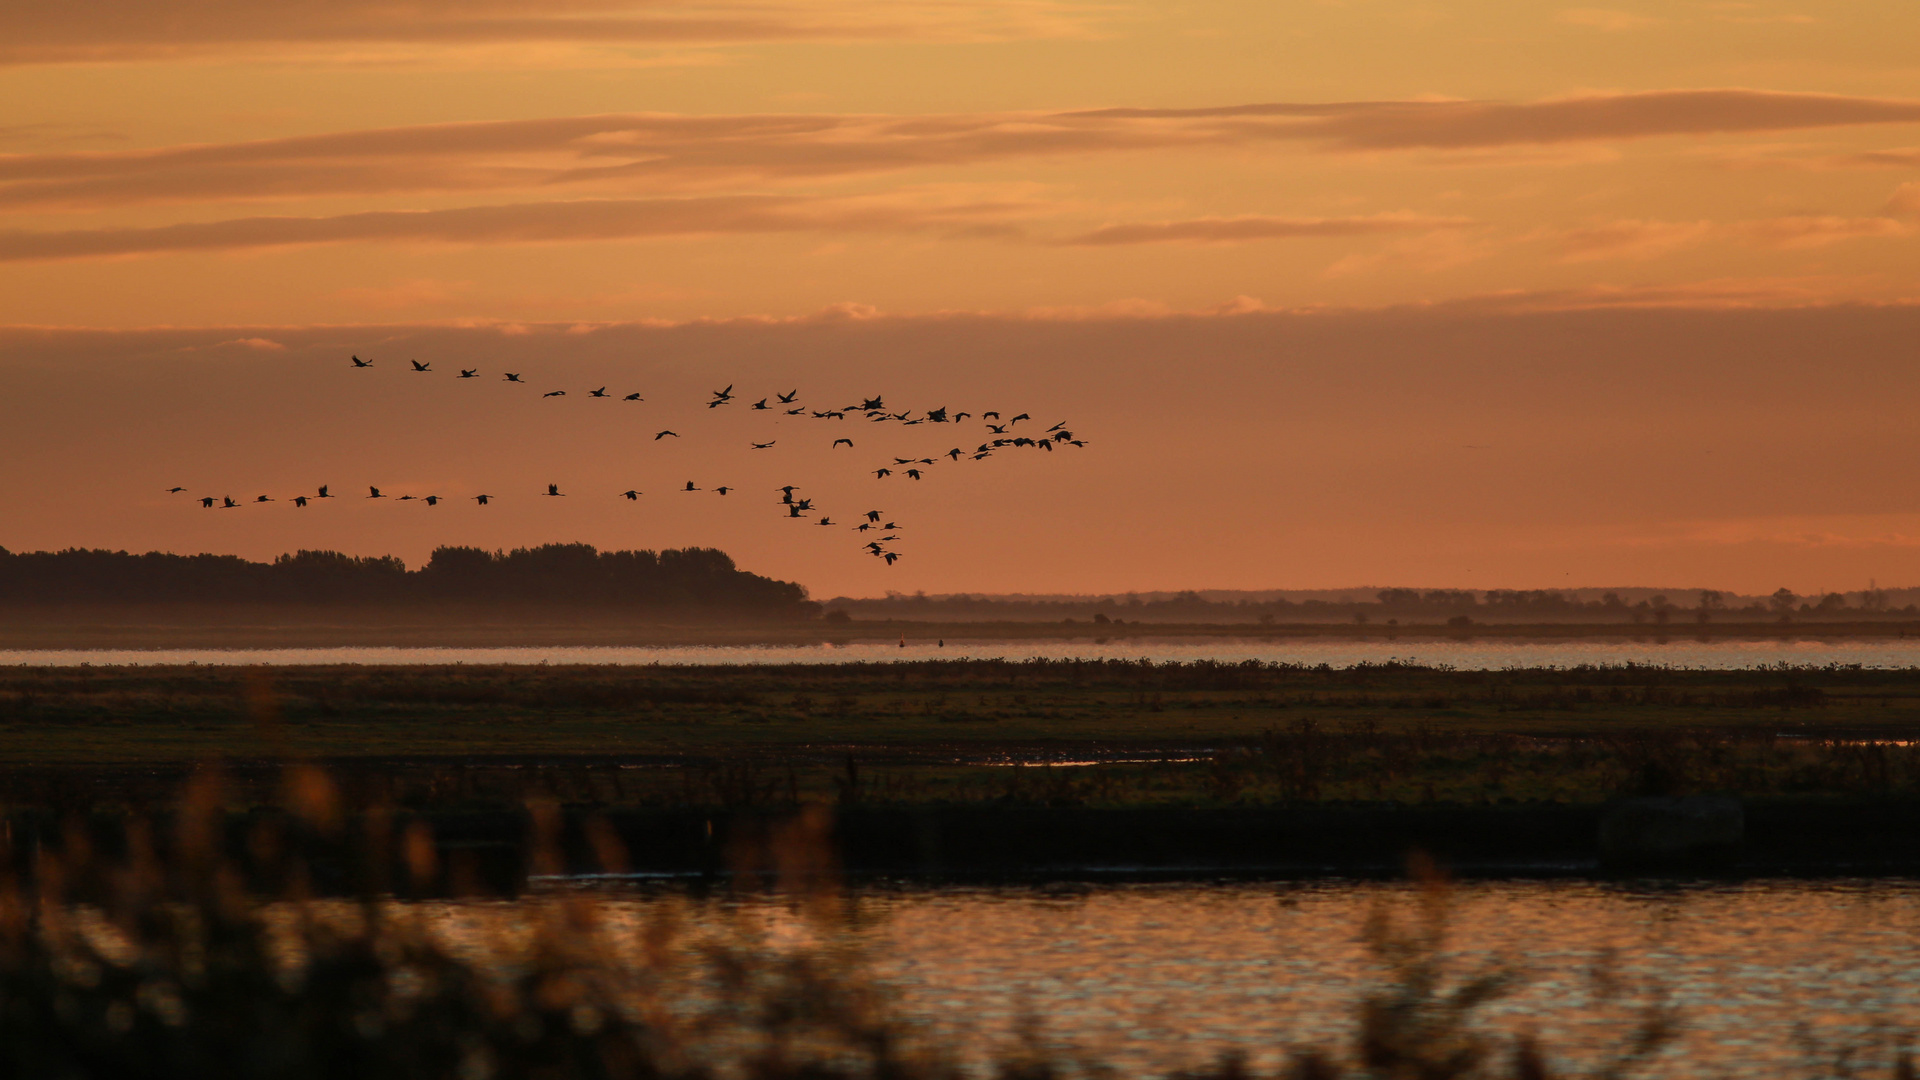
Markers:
872,409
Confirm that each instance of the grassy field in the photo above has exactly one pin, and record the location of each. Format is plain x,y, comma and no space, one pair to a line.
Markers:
1051,733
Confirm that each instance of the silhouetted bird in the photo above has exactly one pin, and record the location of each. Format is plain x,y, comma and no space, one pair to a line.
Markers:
882,473
801,411
664,434
938,416
872,404
837,442
863,526
633,397
997,429
602,392
793,511
208,502
955,453
959,416
903,461
299,500
433,500
787,398
689,487
407,498
873,515
553,489
761,404
261,499
555,393
511,377
824,521
633,496
913,473
175,490
761,445
483,499
1062,424
227,503
805,504
469,373
723,490
890,556
1017,419
873,546
787,492
357,362
418,366
889,526
721,397
984,415
374,493
323,492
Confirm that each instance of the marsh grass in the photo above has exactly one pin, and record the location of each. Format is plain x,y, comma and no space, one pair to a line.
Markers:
1302,761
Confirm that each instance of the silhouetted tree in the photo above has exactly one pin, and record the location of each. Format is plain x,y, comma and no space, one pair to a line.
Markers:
555,574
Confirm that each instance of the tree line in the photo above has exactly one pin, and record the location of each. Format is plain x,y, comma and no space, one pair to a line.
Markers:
1453,605
554,574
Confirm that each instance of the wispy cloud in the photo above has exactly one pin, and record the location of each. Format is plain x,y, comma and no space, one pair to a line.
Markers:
160,29
545,222
1631,239
1471,124
1254,227
1642,240
1809,231
655,153
1608,19
1905,202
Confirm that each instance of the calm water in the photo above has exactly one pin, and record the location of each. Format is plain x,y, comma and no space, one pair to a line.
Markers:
1154,975
1491,654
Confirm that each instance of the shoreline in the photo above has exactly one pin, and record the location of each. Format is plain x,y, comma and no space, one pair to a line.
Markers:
141,630
502,852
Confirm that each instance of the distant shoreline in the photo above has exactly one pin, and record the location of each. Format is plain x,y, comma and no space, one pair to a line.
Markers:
294,627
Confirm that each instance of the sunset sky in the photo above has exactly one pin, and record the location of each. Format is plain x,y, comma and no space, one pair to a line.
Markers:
1478,293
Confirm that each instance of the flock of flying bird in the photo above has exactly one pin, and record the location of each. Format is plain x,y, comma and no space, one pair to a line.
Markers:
1001,435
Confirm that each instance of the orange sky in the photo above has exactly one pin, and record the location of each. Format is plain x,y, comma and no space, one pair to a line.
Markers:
1469,294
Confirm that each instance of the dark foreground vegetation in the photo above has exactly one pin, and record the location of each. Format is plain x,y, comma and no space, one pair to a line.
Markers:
555,575
168,960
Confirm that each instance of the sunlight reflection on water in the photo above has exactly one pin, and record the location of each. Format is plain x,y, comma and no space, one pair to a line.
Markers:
1491,654
1153,975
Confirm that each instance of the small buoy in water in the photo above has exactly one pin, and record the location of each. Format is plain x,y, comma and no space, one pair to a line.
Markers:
903,641
943,643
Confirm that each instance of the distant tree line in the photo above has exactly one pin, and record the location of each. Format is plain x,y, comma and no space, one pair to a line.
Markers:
570,575
1456,606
